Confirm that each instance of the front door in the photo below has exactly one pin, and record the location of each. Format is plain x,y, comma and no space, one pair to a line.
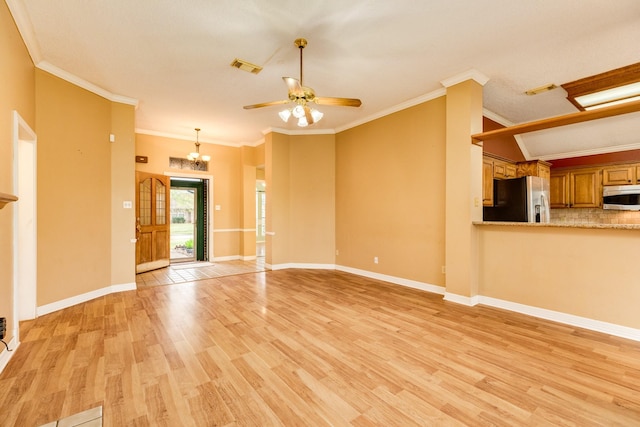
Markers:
152,221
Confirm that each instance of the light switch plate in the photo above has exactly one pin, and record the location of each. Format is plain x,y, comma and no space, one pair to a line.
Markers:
127,204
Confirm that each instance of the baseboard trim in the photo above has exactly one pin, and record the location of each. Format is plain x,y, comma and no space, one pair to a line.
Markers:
435,289
78,299
6,355
295,265
227,258
567,319
461,299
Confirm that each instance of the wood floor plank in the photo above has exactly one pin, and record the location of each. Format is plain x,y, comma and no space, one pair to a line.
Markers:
312,347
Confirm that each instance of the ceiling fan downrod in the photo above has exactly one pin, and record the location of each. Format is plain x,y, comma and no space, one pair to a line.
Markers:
301,43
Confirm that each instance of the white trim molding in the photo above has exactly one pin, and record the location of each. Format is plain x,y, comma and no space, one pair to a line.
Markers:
234,230
434,289
461,299
78,299
294,265
227,258
394,109
567,319
71,78
471,74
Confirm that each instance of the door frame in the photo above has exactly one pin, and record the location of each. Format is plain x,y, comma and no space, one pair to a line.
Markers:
25,218
209,208
199,209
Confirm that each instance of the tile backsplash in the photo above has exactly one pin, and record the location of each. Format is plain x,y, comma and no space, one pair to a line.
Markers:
594,215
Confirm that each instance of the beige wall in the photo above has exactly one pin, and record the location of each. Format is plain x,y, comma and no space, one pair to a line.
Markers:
390,194
592,273
123,221
232,181
464,187
300,189
374,190
312,199
18,93
74,190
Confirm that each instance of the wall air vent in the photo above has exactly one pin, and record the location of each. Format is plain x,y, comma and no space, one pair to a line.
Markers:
246,66
541,89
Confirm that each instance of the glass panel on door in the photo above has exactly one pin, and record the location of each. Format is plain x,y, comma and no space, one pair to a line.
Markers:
183,224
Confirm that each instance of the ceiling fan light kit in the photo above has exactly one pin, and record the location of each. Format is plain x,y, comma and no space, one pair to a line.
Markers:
301,96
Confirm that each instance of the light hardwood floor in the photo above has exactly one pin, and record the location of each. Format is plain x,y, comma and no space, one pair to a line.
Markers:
199,270
313,348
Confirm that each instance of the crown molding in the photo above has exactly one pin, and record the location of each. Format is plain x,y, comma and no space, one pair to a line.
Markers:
184,138
73,79
299,131
471,74
496,117
591,152
399,107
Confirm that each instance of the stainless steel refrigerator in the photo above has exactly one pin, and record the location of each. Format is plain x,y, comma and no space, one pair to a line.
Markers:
524,199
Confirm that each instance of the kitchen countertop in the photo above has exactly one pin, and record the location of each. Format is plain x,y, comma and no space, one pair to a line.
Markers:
562,225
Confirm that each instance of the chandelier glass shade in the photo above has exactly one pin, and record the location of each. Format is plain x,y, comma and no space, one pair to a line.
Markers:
298,113
195,156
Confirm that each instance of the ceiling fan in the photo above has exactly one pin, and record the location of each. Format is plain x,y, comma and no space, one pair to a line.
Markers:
302,95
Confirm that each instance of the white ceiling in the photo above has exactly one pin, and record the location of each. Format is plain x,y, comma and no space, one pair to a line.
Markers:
173,59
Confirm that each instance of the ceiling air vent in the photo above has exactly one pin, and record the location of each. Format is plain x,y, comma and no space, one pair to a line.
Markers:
246,66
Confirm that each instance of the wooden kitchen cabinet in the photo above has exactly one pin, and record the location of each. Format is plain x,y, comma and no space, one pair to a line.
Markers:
559,190
619,175
494,167
534,168
585,188
487,182
579,188
504,170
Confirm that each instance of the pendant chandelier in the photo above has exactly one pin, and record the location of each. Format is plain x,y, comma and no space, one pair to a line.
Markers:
195,156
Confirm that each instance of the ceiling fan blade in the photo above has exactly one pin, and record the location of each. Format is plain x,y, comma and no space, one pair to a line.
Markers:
307,114
342,102
266,104
293,84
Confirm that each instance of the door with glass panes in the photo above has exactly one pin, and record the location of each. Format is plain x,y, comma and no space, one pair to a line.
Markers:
152,221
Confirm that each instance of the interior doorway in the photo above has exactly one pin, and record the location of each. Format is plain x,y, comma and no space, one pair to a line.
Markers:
189,227
25,220
261,215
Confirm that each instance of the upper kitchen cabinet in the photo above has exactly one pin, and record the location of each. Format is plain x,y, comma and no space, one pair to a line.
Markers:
578,188
585,188
620,175
494,167
559,190
534,168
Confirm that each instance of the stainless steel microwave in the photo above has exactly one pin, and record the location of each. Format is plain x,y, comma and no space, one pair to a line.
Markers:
621,197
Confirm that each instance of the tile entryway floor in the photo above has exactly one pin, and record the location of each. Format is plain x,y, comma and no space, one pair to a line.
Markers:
192,271
89,418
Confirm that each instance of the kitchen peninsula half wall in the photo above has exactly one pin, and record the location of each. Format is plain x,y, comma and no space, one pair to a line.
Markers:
585,275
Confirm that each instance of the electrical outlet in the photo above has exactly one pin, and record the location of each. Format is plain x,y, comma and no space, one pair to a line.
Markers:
3,327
